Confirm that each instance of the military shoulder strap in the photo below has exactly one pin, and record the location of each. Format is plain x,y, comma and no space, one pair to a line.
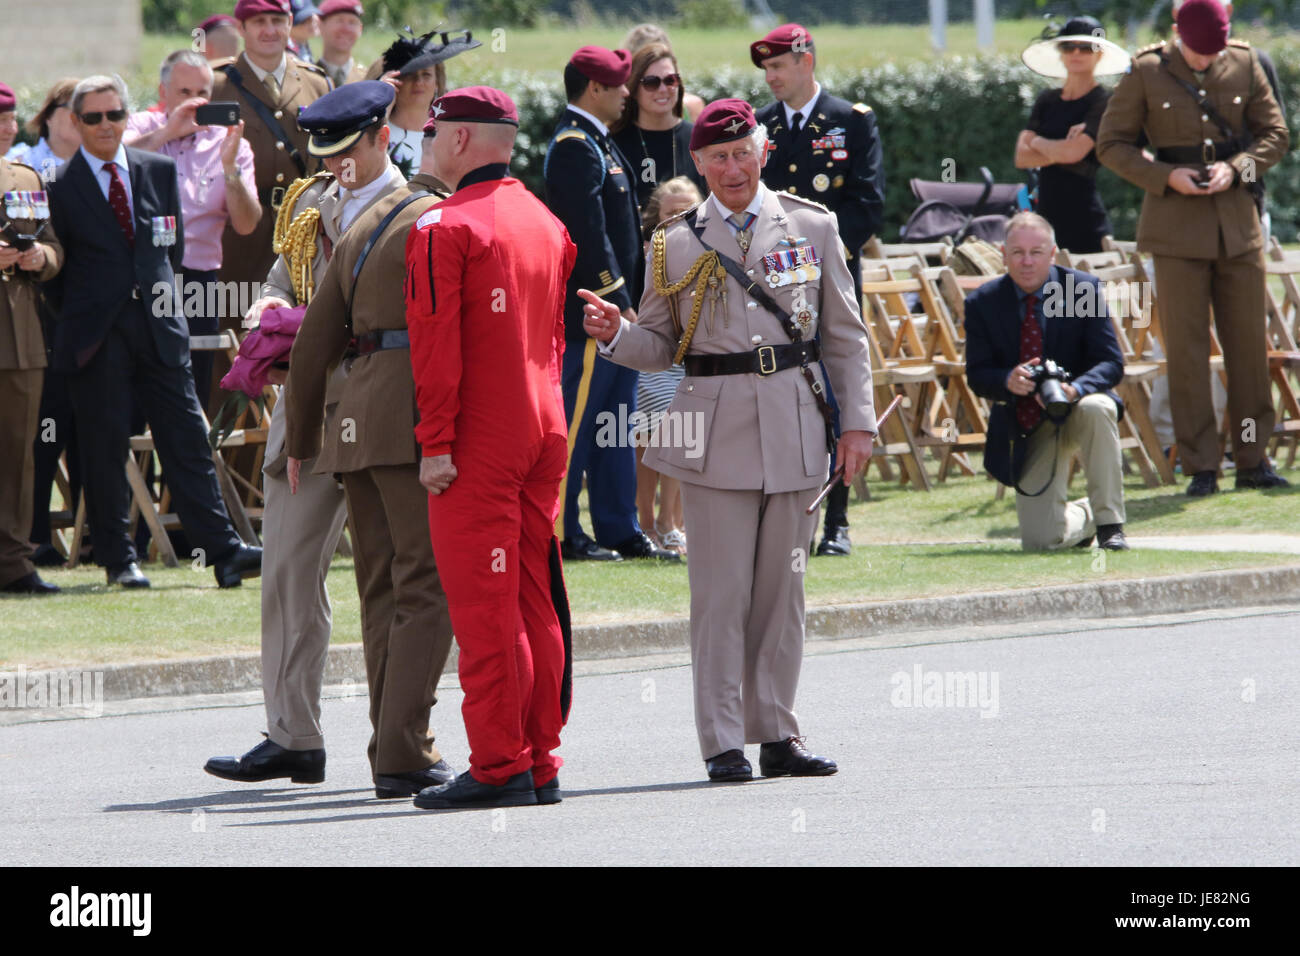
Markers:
370,244
1204,103
266,116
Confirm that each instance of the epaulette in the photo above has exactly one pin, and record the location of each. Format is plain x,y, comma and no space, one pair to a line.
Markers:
861,108
801,199
570,134
23,166
314,67
1151,48
1244,44
678,217
223,62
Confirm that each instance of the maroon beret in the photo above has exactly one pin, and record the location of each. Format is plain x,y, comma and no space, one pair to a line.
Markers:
472,104
218,20
786,37
8,102
1203,25
606,67
721,122
330,7
245,9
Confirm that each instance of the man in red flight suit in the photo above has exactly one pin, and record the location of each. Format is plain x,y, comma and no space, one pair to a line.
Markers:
486,272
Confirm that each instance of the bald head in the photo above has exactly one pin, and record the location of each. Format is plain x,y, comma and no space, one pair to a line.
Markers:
462,147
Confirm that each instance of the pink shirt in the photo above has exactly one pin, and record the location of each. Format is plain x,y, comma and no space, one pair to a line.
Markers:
202,185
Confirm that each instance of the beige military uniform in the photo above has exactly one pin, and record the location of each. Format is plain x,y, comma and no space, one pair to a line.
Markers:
22,372
1207,249
300,531
406,628
249,258
756,459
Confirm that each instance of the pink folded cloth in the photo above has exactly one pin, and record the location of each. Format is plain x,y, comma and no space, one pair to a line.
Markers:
267,344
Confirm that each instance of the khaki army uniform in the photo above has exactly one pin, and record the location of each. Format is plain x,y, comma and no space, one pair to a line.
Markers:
300,531
1208,250
406,628
22,371
249,258
758,456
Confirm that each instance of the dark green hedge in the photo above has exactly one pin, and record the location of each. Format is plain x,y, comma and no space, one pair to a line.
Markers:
966,110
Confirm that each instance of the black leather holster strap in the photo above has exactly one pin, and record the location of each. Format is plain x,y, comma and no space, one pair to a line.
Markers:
1205,154
762,361
383,339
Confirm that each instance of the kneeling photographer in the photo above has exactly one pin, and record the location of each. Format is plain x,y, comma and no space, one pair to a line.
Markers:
1040,346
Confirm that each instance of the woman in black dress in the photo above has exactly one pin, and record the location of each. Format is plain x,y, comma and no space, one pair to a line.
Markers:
652,132
1060,137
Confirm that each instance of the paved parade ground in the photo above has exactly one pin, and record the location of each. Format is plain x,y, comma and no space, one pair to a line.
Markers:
1152,741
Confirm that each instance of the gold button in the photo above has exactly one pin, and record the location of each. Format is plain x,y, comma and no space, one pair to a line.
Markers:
279,114
1236,99
830,165
279,145
279,177
789,189
794,168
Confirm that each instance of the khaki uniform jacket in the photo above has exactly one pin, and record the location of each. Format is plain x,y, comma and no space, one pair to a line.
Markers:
374,424
248,258
759,432
1148,98
354,73
22,344
323,193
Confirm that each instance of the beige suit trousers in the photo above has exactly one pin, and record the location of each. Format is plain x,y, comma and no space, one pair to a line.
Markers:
748,550
1048,521
299,535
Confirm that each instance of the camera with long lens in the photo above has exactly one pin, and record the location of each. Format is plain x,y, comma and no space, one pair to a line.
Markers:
1049,380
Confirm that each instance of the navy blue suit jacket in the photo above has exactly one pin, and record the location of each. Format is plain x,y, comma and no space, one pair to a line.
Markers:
102,271
1079,338
589,188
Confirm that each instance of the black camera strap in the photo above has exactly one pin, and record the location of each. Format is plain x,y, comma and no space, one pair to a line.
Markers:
1056,448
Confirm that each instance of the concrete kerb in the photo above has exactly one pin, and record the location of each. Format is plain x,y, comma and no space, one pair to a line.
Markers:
1138,597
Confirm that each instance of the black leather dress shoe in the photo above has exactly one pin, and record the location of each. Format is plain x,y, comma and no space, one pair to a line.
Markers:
584,549
1203,483
730,766
391,785
790,757
30,584
48,556
549,793
269,761
1261,476
128,575
835,542
467,793
1110,537
246,562
640,546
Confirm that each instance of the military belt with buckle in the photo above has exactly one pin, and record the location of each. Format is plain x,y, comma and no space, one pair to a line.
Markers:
1206,154
764,360
275,198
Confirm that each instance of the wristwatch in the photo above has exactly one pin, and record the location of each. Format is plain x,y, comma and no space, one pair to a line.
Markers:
233,177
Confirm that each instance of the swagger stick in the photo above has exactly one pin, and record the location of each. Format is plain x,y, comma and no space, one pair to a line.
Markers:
839,472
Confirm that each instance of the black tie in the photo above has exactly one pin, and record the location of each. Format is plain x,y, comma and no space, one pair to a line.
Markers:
795,122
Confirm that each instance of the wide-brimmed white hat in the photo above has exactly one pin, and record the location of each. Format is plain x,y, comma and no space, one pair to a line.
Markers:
1044,57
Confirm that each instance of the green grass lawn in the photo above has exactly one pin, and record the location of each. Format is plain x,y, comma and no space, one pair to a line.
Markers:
956,539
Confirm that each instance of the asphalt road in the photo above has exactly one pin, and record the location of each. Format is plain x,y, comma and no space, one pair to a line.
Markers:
1168,741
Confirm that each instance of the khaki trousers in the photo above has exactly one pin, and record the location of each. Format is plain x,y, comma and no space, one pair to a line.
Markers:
299,535
748,550
405,625
1048,521
20,405
1235,287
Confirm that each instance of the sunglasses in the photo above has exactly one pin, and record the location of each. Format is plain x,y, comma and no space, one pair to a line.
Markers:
652,82
1077,47
93,119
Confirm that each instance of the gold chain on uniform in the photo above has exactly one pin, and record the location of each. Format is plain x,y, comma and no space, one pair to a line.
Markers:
296,240
706,267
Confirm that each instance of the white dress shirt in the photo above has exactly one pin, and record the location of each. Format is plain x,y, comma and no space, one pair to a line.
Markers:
805,111
103,177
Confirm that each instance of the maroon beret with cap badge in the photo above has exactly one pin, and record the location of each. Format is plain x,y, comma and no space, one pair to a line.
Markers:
472,104
245,9
786,37
721,122
606,67
330,7
1203,26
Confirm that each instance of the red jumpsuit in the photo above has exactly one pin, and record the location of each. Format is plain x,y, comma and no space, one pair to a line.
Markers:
486,274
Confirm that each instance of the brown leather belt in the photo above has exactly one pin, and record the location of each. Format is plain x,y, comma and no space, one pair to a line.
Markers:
764,360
